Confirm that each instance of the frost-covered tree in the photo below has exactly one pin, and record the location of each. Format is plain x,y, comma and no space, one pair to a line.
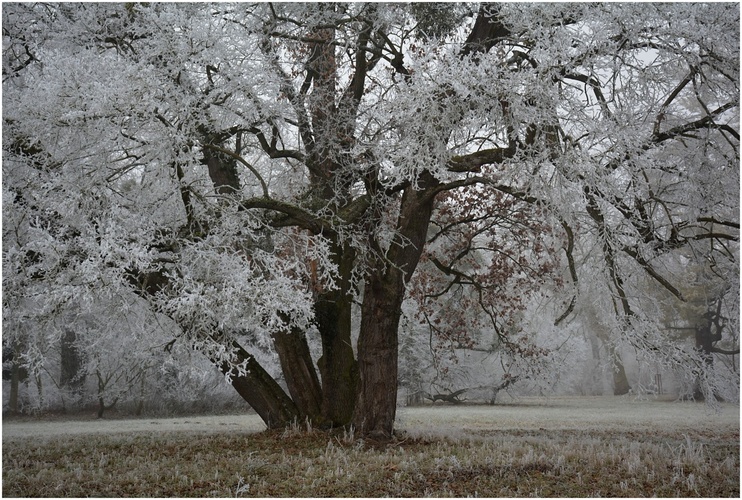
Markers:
255,172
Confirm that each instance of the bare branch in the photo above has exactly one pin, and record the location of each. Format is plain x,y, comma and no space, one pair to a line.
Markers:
713,220
572,270
653,273
271,149
705,122
670,99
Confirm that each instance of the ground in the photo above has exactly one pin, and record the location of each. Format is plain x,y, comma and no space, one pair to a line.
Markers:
602,446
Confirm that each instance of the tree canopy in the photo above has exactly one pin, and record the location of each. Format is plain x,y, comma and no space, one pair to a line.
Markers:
281,178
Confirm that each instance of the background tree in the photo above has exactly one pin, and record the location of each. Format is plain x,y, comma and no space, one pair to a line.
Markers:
255,172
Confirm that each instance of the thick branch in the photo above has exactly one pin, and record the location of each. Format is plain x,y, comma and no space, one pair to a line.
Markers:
359,77
488,29
716,236
473,161
450,398
355,209
297,216
240,159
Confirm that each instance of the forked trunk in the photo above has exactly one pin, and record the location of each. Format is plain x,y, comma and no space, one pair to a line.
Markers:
385,288
263,393
257,387
382,307
299,373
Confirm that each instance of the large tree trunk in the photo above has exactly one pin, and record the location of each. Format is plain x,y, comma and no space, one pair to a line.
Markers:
330,404
385,288
619,379
337,365
381,309
377,355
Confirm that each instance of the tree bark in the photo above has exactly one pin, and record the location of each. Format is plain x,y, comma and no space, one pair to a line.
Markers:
223,173
337,365
385,287
377,355
102,383
486,32
301,377
708,331
619,380
381,309
259,389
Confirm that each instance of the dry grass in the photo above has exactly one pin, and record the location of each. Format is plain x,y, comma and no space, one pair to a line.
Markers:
487,462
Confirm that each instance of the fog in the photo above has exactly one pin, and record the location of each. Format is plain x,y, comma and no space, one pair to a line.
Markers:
610,413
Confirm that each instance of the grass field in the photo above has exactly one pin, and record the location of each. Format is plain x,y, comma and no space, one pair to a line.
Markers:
532,447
